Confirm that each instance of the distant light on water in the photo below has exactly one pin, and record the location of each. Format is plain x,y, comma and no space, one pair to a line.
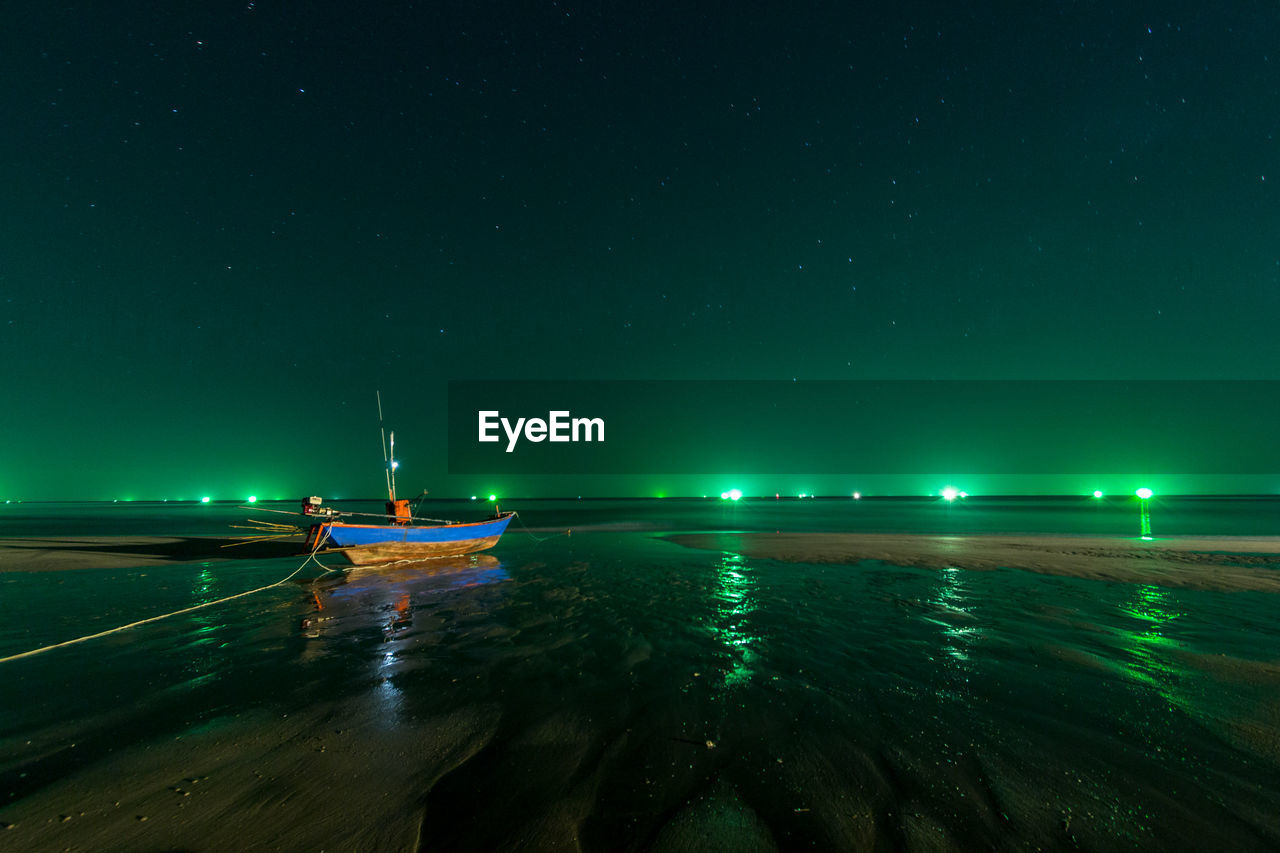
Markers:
204,500
950,493
493,497
1145,493
253,499
857,496
1097,493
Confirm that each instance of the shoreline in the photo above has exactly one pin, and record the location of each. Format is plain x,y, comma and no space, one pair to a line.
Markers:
1223,563
1199,562
70,553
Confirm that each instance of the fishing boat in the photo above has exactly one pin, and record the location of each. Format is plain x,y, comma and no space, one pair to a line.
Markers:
403,538
398,535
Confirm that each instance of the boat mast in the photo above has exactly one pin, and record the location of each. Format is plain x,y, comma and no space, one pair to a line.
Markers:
391,466
388,459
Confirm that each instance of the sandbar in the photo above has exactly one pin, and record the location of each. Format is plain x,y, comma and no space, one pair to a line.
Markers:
114,552
1227,563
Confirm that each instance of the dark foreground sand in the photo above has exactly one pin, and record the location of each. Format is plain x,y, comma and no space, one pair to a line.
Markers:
115,552
319,778
1218,563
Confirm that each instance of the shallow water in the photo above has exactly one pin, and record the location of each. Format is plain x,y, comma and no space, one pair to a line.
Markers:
613,690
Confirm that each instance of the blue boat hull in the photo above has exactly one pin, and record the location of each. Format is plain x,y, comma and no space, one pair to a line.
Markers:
368,544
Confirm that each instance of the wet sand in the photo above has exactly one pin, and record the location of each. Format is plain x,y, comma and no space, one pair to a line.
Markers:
1218,563
116,552
608,693
321,778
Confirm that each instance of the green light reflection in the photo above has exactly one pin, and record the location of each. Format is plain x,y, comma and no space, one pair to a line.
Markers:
953,613
735,601
1150,648
202,665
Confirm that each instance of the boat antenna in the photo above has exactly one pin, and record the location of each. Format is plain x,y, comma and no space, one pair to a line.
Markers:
387,458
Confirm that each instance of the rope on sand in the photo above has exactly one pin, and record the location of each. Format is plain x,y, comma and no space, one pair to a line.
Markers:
535,537
310,557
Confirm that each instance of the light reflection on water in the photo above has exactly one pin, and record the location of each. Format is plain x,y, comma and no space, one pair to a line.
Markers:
1150,648
202,659
950,598
734,604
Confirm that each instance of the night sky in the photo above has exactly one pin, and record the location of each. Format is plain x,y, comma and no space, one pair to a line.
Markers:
226,225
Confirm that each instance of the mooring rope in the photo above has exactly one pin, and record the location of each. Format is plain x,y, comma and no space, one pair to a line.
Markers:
310,557
536,538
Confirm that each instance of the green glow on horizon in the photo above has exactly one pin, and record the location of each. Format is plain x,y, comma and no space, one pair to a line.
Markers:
204,500
950,493
1097,493
493,498
1144,493
253,499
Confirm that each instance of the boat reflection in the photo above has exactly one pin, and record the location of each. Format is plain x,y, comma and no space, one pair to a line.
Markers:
351,609
393,592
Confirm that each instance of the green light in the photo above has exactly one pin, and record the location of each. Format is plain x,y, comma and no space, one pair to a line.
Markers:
253,499
950,493
1144,493
734,494
1097,493
493,498
204,500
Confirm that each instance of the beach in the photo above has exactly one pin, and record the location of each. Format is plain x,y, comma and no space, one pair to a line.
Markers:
647,684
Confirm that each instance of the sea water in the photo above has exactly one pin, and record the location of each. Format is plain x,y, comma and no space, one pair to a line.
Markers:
609,689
